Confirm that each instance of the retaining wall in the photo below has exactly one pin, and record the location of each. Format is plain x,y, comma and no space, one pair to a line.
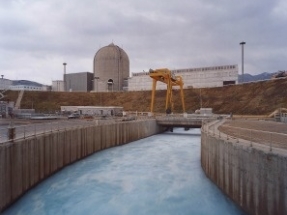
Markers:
26,162
255,178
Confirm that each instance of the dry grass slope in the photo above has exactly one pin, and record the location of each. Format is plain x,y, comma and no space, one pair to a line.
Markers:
259,98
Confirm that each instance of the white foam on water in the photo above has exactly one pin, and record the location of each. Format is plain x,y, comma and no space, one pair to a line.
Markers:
156,175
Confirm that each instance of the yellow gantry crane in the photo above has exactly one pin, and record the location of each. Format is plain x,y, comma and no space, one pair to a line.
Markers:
165,75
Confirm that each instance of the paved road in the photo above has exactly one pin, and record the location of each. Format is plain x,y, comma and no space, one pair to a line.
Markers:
260,131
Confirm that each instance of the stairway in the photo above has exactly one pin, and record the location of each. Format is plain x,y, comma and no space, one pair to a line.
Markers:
19,99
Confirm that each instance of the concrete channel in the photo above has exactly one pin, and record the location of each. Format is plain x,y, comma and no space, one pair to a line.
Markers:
26,162
251,174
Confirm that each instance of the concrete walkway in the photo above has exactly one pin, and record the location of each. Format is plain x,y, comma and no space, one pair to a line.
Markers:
248,138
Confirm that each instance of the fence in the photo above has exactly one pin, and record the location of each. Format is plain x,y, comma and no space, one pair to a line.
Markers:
24,131
245,135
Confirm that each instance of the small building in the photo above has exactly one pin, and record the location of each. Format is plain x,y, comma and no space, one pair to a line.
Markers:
58,86
78,82
93,110
5,83
205,111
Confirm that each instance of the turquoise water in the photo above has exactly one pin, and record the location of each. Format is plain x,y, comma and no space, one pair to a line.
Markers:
156,175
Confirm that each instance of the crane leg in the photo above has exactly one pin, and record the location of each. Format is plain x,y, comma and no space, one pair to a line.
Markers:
153,95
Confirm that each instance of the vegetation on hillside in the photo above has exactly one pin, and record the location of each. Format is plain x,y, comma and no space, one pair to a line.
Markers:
250,98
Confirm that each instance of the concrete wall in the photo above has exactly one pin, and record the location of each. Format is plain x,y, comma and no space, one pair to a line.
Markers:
26,162
255,178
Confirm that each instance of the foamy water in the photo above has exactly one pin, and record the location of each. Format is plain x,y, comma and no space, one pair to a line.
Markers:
156,175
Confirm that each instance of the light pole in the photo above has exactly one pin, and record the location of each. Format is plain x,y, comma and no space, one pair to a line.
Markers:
242,59
65,64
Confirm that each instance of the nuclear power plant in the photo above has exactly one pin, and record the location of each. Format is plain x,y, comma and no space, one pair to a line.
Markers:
111,69
111,73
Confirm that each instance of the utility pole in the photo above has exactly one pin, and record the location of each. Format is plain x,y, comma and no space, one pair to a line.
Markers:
242,60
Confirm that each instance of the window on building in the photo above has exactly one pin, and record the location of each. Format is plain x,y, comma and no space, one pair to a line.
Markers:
228,83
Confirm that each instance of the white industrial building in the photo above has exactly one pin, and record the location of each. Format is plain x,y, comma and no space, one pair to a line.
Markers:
28,88
18,85
22,85
58,86
5,83
203,77
93,110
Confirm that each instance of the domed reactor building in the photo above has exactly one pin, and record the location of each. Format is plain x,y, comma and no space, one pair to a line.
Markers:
111,69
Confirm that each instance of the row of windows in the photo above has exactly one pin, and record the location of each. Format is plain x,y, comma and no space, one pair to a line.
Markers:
187,76
26,87
215,74
140,74
214,68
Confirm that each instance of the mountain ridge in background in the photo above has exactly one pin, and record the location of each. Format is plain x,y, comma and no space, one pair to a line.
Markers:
259,77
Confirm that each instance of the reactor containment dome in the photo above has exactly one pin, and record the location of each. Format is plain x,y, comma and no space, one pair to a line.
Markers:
111,69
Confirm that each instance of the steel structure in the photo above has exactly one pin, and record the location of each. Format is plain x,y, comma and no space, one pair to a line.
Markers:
165,75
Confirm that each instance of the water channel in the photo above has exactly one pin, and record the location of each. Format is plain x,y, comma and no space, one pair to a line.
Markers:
156,175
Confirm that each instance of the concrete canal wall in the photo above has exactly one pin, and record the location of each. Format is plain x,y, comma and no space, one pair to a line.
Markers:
25,163
254,177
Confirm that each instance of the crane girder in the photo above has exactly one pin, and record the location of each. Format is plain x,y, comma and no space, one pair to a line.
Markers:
164,75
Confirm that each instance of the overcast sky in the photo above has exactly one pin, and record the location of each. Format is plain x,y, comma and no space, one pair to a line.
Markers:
37,36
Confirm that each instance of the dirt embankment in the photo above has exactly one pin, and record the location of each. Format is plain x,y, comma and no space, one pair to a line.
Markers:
247,99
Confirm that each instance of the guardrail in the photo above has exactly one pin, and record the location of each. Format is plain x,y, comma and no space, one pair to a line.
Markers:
253,137
271,139
193,120
11,133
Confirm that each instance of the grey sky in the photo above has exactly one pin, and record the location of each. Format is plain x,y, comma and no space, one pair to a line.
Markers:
37,36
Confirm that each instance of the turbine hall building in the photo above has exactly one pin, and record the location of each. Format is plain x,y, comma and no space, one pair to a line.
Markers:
202,77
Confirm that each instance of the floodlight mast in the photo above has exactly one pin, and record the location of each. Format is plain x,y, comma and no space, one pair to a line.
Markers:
242,60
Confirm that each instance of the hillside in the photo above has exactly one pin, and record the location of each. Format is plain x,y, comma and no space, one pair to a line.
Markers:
250,98
259,77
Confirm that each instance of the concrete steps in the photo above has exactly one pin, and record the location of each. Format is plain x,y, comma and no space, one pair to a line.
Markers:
19,99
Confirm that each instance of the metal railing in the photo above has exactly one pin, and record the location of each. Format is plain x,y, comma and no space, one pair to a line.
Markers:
271,139
24,131
252,137
35,129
